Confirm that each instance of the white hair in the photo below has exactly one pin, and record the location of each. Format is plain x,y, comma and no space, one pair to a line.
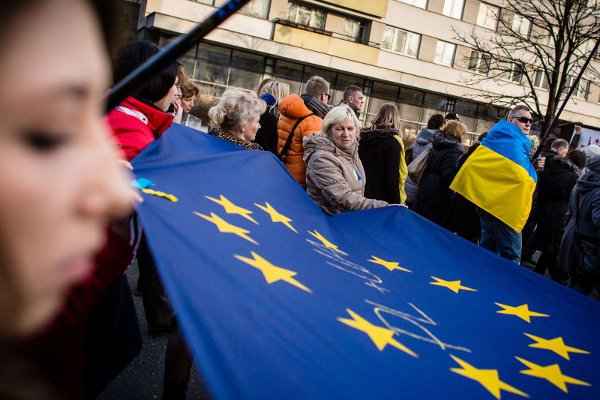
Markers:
235,108
338,115
591,152
275,88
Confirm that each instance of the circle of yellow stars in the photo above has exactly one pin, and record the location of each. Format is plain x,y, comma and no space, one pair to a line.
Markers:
383,337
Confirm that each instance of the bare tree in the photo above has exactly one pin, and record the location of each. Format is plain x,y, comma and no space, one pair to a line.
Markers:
538,43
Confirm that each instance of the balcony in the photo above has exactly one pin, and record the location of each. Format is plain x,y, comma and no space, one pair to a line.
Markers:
377,8
323,42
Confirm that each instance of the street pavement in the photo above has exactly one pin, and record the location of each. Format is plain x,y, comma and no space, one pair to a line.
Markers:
142,379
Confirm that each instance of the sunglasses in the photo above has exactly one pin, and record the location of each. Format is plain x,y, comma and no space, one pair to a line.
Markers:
525,120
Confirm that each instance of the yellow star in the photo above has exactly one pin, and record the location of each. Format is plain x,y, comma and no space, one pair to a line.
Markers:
488,378
556,345
157,193
390,265
454,286
231,208
325,242
225,227
272,273
380,336
551,373
521,311
276,216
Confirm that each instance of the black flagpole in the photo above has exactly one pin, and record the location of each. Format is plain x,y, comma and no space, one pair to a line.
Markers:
170,53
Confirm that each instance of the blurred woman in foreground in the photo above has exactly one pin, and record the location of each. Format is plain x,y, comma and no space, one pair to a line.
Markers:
59,171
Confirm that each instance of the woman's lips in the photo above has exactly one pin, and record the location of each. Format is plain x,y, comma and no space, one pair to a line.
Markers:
78,268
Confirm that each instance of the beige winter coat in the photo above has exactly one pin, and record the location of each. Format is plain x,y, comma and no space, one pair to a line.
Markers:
335,179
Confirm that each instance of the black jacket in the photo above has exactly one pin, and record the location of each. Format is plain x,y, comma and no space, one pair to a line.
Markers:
266,136
380,155
435,198
554,189
465,218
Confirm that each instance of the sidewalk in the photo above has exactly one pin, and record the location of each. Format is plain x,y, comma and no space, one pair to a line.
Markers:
142,379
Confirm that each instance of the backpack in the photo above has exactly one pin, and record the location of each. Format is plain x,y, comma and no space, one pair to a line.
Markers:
416,168
286,148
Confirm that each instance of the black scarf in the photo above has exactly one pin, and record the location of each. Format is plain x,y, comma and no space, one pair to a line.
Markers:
314,105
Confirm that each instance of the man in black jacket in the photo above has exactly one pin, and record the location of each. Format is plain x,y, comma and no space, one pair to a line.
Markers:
554,188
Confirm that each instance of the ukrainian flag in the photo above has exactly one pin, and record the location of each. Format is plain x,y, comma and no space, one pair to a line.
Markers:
498,177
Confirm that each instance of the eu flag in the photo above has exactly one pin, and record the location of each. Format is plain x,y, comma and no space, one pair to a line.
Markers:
279,301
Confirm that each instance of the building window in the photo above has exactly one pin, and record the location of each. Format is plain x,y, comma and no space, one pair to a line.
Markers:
488,16
256,8
305,15
582,87
516,73
540,80
480,62
216,68
444,53
354,29
454,8
521,25
416,3
401,41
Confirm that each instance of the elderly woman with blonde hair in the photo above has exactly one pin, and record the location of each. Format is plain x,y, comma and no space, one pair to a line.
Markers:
236,117
335,177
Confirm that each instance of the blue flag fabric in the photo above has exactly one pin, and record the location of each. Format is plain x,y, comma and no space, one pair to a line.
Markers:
279,301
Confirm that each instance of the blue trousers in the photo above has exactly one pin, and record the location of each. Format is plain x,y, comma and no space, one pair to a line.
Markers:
500,238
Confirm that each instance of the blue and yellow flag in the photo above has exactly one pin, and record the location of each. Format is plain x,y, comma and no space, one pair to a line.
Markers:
498,177
279,301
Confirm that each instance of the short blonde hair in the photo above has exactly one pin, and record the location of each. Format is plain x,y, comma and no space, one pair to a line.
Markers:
235,108
455,129
337,115
273,87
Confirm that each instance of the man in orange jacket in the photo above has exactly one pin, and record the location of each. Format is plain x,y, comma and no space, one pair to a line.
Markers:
300,117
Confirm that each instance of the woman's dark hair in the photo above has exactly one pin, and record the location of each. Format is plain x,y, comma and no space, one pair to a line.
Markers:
105,11
435,122
387,117
134,55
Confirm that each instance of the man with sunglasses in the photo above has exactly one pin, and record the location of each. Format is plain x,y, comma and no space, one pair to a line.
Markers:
521,117
496,236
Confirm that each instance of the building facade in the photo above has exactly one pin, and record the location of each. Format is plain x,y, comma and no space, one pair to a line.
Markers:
401,51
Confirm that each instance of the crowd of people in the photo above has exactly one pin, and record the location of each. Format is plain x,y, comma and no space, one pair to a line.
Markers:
67,321
346,167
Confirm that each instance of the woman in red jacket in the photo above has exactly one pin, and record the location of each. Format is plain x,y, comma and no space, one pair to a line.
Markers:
143,117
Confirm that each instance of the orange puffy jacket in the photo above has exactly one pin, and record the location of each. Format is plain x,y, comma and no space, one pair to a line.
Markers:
291,109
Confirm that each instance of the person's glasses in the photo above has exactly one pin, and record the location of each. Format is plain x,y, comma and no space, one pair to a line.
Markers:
525,120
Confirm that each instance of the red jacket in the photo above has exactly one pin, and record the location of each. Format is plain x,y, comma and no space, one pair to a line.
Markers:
136,124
